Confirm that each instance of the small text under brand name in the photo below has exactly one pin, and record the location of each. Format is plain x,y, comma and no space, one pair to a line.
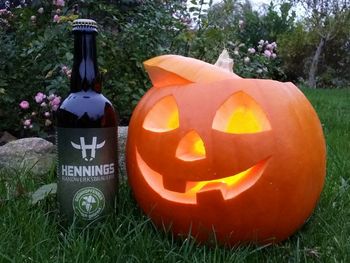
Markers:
87,170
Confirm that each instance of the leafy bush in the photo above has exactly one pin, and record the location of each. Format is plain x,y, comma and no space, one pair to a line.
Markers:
295,49
37,49
238,28
37,44
274,21
34,53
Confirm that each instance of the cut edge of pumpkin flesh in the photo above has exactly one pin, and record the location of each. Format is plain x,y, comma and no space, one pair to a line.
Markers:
229,187
169,70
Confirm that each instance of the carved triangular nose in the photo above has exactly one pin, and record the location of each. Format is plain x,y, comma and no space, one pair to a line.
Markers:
191,147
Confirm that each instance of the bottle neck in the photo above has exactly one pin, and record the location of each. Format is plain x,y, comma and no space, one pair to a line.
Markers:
85,75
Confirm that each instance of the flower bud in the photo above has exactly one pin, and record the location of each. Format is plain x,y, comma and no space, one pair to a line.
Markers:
24,104
56,18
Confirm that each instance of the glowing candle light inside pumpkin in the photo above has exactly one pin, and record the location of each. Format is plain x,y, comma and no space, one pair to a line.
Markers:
163,117
191,147
243,120
240,114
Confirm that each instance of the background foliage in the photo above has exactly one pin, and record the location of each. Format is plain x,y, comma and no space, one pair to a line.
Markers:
36,46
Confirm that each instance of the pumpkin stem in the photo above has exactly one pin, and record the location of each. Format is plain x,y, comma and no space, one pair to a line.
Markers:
224,61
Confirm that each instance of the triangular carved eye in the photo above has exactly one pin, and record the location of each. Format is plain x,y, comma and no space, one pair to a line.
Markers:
163,117
240,114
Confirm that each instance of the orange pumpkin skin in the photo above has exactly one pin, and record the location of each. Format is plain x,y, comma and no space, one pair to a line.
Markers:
286,157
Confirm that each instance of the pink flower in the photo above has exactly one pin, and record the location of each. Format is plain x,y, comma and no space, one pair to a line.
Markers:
274,45
261,42
64,69
69,73
47,114
27,122
267,53
43,104
251,50
269,47
58,11
59,2
273,55
39,97
24,104
56,18
56,101
31,126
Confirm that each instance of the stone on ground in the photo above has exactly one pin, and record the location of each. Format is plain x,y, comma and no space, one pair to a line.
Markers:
34,153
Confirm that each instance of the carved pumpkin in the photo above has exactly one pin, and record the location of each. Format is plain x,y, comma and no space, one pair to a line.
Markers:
211,153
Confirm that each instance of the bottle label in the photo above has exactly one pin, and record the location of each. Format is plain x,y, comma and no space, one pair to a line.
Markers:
87,171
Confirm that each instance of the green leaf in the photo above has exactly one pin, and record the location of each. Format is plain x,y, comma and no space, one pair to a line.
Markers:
42,192
47,67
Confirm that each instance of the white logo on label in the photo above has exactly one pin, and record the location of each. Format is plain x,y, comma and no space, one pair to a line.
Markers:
88,202
84,147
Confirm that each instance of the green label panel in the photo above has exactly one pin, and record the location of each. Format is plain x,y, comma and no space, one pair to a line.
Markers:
87,171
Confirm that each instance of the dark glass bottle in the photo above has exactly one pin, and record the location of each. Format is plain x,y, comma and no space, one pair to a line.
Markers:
86,136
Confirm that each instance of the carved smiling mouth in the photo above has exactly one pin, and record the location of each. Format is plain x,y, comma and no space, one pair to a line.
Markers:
229,186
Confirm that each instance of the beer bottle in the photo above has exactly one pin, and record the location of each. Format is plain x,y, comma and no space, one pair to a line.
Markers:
86,136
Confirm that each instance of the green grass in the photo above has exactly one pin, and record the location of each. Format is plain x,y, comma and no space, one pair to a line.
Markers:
32,234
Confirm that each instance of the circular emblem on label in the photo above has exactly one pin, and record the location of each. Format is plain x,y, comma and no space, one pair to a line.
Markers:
88,203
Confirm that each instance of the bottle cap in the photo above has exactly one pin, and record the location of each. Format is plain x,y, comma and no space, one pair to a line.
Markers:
85,25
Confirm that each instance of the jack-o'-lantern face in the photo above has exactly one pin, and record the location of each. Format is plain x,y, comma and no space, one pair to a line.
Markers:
238,115
206,155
